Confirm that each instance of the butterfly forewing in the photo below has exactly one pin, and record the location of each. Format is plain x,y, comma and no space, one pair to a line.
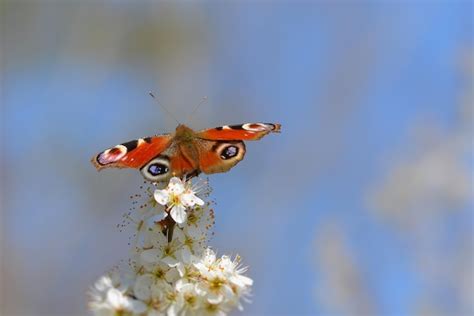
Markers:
132,154
248,131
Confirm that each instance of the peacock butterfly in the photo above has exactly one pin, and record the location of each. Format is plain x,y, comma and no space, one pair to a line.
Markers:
186,152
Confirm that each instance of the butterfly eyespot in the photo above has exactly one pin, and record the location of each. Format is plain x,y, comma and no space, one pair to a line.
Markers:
229,152
111,155
157,169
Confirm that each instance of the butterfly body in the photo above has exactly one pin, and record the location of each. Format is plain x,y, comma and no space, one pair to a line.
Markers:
186,152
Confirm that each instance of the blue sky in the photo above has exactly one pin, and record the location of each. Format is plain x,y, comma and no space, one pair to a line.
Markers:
349,83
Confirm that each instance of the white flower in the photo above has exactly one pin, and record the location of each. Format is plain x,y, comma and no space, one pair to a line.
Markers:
119,302
213,282
210,309
161,250
178,277
191,300
178,196
111,280
191,245
142,288
164,298
207,261
200,220
108,300
222,279
99,292
233,272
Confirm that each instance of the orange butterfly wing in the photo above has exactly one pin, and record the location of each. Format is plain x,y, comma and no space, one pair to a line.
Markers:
132,154
221,148
219,156
249,131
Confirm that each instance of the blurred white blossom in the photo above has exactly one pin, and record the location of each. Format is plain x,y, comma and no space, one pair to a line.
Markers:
434,173
109,297
428,194
182,276
343,288
423,199
435,176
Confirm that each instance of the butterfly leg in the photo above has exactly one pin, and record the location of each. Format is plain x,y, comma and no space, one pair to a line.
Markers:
193,174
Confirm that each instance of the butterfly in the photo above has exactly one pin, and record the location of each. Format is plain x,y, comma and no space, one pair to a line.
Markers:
185,152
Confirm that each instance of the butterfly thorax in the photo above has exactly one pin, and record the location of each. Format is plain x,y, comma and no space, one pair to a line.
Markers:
184,134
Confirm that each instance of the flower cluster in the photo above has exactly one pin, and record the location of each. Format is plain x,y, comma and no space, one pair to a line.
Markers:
172,270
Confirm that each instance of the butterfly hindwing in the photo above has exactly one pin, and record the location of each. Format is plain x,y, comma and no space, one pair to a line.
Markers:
219,156
222,147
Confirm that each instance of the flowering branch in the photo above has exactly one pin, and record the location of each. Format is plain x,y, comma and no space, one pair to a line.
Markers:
172,270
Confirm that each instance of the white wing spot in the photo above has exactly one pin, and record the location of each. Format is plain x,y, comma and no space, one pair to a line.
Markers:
111,155
256,127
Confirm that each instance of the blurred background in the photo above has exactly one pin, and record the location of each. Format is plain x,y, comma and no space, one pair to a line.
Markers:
363,205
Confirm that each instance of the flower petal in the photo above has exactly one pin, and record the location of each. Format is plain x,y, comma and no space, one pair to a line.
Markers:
115,298
176,186
156,239
189,199
103,284
178,213
195,233
137,307
214,298
161,196
151,255
184,286
241,280
181,269
172,275
170,261
142,288
199,201
172,310
179,235
185,255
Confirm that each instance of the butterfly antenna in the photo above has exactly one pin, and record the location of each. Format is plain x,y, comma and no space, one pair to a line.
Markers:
203,100
166,110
